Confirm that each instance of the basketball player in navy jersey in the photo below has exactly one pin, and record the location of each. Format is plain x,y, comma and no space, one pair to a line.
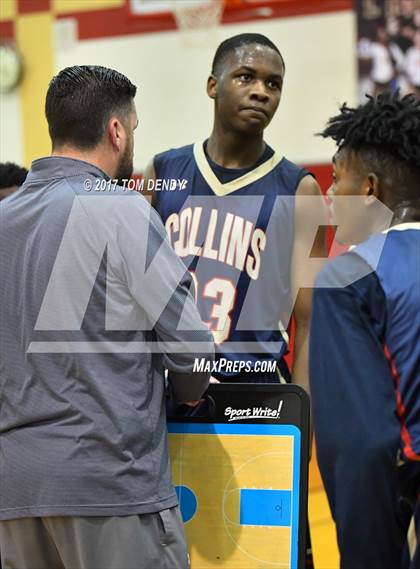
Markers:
365,339
234,221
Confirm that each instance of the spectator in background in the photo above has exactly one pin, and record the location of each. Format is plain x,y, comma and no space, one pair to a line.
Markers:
406,25
384,59
412,64
386,34
11,178
407,13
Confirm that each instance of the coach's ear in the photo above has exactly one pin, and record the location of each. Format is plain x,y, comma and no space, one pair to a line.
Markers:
116,132
212,86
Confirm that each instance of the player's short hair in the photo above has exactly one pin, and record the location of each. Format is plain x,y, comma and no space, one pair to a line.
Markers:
81,99
11,175
384,135
229,45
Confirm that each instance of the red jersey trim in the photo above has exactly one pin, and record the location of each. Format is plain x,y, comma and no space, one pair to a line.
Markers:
401,411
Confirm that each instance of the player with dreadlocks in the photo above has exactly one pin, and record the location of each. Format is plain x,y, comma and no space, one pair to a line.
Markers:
364,347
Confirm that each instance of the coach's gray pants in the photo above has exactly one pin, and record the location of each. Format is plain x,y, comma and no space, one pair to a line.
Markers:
147,541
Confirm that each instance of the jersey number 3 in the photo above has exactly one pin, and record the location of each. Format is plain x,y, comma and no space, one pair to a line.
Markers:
224,294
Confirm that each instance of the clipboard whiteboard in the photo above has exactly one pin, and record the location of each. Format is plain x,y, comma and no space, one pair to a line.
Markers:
241,476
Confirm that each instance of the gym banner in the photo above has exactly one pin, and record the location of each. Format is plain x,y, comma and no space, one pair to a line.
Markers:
388,46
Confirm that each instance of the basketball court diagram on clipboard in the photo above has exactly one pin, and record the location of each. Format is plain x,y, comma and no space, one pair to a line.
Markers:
242,479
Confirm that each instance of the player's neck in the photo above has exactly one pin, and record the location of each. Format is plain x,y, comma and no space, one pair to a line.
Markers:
406,214
232,150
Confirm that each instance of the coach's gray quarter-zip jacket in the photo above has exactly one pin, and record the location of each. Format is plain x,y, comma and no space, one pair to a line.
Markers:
94,304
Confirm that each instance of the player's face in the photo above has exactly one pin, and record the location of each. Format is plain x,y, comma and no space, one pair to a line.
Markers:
350,199
125,166
248,88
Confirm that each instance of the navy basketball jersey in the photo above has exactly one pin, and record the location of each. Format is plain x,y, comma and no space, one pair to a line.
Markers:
398,272
365,378
234,231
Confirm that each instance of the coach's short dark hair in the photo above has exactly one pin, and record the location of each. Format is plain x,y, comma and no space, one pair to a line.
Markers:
80,101
229,45
11,175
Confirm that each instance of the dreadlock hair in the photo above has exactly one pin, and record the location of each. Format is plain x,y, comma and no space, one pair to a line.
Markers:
384,136
229,45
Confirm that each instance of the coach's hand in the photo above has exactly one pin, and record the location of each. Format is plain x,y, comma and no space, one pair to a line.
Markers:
193,403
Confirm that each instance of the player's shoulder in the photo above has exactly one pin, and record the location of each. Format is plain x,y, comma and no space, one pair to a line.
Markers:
394,256
380,252
289,175
115,205
391,246
371,249
342,271
404,233
288,165
174,156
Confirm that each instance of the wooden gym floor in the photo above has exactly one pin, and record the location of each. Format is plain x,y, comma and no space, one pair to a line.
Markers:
324,542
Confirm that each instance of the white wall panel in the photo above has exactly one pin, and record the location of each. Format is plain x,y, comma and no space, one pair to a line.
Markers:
171,76
11,149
